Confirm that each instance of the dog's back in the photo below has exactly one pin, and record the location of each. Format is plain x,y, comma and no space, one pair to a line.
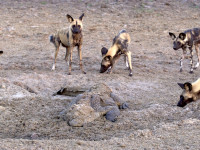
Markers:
122,40
62,36
192,35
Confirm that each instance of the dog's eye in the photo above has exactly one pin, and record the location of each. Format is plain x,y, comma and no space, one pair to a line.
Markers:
79,26
182,97
73,26
179,43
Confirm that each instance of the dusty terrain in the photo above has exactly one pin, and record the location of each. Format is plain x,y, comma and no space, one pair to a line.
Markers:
28,111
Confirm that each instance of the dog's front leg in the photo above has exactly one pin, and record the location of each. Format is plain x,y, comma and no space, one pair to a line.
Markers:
182,58
191,60
126,61
198,55
80,59
114,60
70,60
67,55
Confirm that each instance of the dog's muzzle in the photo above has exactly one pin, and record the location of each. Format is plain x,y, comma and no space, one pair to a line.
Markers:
175,49
103,69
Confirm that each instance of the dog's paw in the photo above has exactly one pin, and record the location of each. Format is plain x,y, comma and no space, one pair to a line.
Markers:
191,71
83,72
53,68
131,74
181,70
196,66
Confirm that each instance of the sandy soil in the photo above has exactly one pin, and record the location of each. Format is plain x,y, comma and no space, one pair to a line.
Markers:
29,112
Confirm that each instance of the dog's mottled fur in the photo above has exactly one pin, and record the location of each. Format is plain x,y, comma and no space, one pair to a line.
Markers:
69,38
118,48
191,92
188,38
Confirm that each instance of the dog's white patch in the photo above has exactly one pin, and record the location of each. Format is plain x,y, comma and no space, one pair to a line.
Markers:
127,65
53,67
197,65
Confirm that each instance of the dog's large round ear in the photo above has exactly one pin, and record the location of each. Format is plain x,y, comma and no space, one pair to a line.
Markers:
172,35
104,51
181,85
188,86
70,19
81,17
182,36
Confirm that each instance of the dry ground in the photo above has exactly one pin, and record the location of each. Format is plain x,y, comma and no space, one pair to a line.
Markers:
28,111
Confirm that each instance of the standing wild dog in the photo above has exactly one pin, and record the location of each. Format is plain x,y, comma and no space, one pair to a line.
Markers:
69,38
188,38
191,92
118,48
1,52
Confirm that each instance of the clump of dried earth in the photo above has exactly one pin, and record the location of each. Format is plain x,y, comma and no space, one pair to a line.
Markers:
28,111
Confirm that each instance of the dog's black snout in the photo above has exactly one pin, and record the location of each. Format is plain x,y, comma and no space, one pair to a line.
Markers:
181,103
76,30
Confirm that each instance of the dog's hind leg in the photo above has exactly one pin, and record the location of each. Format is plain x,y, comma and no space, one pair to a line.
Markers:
80,59
128,54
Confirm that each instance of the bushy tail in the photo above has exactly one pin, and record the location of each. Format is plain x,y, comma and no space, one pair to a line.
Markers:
122,31
1,52
52,38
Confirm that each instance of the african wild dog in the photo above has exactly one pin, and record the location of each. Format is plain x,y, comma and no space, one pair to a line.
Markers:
1,52
188,38
69,38
191,92
118,48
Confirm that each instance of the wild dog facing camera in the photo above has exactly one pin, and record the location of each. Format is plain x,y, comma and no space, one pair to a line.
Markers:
69,38
75,24
187,40
178,41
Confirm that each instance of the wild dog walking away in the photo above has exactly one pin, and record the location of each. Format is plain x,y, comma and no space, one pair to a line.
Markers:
111,55
188,38
69,38
191,92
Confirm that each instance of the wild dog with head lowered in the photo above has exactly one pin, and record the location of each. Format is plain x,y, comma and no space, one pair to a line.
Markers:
188,38
191,92
69,38
118,48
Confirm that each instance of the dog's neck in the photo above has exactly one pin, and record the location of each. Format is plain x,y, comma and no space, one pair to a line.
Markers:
77,38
